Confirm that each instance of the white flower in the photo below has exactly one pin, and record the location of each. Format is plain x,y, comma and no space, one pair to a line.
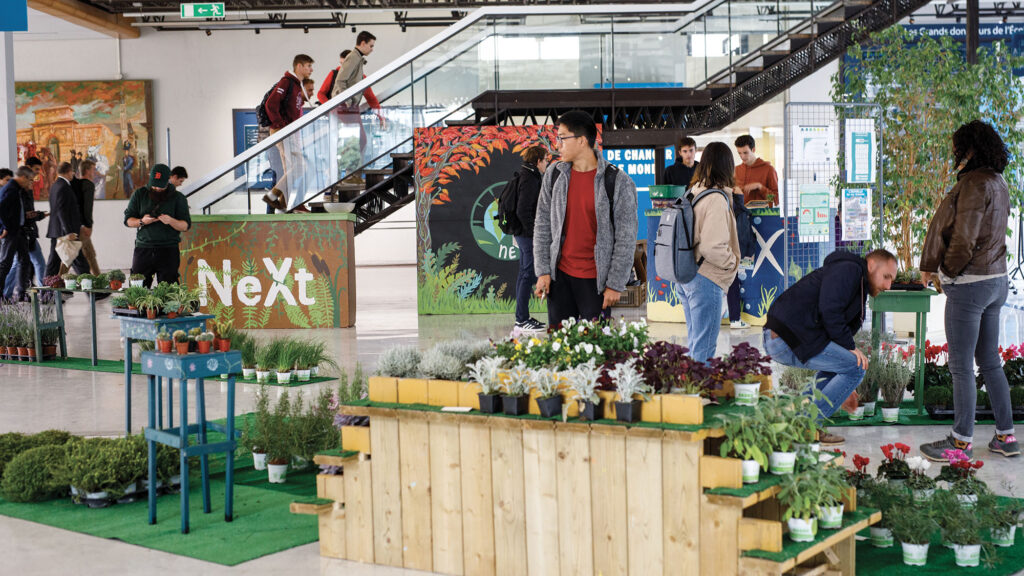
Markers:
588,347
607,330
556,346
581,328
622,331
918,464
598,349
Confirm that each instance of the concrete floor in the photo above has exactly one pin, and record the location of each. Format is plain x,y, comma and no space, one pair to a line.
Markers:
34,399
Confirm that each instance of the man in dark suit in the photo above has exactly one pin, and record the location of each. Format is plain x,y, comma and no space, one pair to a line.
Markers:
85,191
12,219
65,217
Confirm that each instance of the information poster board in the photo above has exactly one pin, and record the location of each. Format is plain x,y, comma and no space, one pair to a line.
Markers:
860,151
814,144
856,219
813,218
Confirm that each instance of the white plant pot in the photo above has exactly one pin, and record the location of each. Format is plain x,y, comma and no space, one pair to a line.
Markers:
86,284
915,554
277,473
968,500
781,462
881,537
967,555
259,461
890,415
801,530
857,414
831,517
71,284
747,394
284,377
136,283
248,373
869,409
1003,537
262,376
923,495
751,471
314,371
303,375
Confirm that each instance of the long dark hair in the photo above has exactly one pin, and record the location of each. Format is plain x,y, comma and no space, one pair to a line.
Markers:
716,167
988,148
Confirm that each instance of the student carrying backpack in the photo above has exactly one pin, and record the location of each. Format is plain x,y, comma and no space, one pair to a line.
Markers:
261,111
674,244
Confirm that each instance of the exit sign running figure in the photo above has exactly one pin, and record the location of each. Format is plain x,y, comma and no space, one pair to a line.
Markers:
208,10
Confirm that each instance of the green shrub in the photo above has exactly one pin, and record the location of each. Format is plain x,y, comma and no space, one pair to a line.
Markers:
938,396
312,430
90,465
51,438
399,362
12,444
1017,396
36,475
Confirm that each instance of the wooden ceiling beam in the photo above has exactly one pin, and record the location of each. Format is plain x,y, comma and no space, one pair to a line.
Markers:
87,16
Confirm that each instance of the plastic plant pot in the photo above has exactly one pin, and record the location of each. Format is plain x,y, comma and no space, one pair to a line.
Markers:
747,394
490,403
857,414
881,537
277,473
592,410
516,405
831,517
890,415
801,530
780,463
915,554
967,555
751,472
628,411
550,407
259,460
869,409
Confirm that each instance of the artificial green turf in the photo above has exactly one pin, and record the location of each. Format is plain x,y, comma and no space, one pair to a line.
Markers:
766,481
792,549
262,522
117,367
873,561
908,417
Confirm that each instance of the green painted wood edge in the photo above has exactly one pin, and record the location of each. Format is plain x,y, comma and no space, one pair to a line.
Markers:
273,217
766,482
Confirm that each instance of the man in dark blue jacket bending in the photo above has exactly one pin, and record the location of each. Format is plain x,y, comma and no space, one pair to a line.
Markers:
812,324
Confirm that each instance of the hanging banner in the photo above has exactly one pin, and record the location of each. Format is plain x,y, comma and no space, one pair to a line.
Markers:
856,214
814,144
860,151
814,213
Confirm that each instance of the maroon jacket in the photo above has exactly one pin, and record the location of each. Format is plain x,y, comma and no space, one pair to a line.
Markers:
284,105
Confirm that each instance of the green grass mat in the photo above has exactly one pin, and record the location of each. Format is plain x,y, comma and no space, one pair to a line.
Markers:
117,367
889,561
765,482
908,417
792,549
262,522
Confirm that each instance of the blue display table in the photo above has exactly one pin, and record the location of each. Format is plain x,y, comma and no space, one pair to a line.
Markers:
145,330
184,368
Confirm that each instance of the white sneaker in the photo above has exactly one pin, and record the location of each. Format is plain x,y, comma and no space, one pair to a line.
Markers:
738,325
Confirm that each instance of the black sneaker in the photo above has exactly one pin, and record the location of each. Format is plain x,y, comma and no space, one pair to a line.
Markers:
935,451
1007,446
533,325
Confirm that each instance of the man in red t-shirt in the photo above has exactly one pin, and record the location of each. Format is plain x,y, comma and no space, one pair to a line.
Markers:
584,236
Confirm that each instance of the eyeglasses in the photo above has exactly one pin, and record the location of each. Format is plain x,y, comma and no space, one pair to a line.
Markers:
562,139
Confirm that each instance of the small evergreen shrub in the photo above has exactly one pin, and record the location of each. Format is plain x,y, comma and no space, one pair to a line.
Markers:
399,362
437,364
36,475
938,396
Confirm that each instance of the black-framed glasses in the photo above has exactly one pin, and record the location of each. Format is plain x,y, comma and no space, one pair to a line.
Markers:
562,139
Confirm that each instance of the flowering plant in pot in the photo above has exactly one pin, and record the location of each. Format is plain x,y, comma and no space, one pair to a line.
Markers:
859,477
163,341
136,280
116,279
70,280
913,523
583,379
516,400
486,373
894,376
549,400
632,391
181,341
895,467
920,483
204,342
966,485
745,438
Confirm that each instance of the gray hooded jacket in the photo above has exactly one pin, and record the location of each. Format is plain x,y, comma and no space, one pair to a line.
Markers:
613,256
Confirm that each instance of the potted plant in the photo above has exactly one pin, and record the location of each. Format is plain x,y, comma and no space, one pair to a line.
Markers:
226,333
312,429
278,441
170,309
49,337
908,279
746,439
485,372
301,355
833,489
583,380
893,379
549,400
151,305
247,347
913,524
922,485
516,400
116,279
698,380
163,341
118,302
193,333
867,390
181,342
632,391
136,281
779,412
747,366
85,281
799,494
1003,518
319,357
966,485
204,342
257,428
265,357
962,528
285,361
70,280
895,467
91,470
134,295
886,497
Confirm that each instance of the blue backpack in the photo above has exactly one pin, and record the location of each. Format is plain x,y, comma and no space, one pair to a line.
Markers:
673,246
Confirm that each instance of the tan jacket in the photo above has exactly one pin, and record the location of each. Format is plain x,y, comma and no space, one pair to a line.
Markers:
716,239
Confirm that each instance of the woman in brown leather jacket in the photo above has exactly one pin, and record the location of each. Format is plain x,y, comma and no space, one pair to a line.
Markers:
965,253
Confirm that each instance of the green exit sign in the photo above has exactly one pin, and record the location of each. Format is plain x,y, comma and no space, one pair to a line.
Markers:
208,10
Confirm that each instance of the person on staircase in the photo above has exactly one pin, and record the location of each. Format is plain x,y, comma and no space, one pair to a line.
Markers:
284,106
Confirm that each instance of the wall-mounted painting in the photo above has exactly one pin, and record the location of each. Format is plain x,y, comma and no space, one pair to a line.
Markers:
108,122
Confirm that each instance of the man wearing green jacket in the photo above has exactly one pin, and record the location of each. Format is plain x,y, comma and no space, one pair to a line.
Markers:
160,213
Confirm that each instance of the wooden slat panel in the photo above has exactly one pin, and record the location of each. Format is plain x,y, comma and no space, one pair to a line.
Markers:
446,496
477,502
574,502
757,534
509,497
681,494
644,505
330,486
719,539
387,492
332,532
718,472
414,460
539,461
355,438
608,490
359,511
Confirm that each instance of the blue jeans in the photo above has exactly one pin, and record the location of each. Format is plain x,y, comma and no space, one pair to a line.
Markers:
972,328
838,372
526,279
35,255
703,308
